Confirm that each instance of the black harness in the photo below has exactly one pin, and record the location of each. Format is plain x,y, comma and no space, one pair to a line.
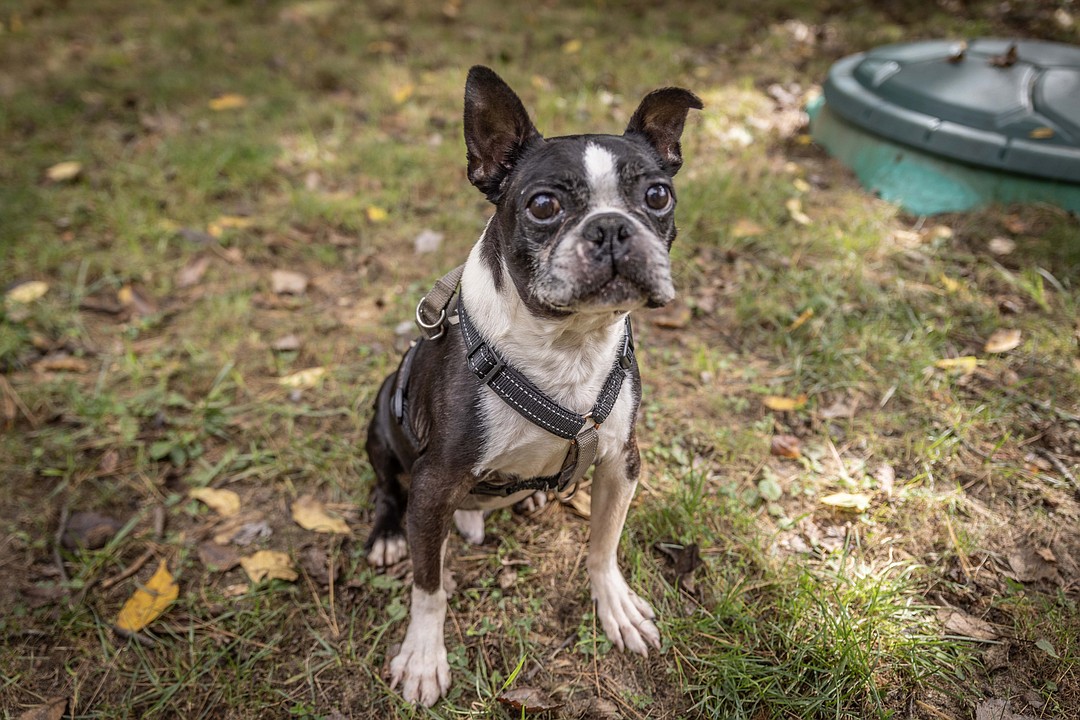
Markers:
435,312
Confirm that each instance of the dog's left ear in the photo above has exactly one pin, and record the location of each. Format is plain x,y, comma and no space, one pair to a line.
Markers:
660,119
497,130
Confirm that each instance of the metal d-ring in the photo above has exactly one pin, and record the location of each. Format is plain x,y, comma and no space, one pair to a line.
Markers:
425,327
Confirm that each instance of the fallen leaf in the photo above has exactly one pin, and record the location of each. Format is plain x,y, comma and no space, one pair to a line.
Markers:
89,530
951,286
1001,245
62,362
1006,59
581,502
957,622
136,300
528,700
303,379
886,478
965,364
64,171
745,227
287,282
784,404
228,101
1041,133
801,320
572,46
801,185
217,228
787,446
218,558
52,710
1027,565
997,710
148,601
1002,340
794,208
268,565
376,214
847,501
1046,554
286,343
674,316
769,489
401,93
27,292
225,502
193,272
1045,645
310,514
316,564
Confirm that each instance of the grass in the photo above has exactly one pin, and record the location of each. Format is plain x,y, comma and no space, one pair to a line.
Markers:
123,388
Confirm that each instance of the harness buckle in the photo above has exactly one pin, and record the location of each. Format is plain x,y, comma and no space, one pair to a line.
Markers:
427,328
486,376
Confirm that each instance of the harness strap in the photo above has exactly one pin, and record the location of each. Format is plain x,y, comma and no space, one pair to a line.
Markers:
431,310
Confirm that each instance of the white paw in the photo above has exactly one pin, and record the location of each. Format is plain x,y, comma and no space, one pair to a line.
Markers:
532,503
387,551
422,672
470,523
626,618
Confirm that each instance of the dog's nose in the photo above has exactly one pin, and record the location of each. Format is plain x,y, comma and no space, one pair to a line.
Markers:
608,234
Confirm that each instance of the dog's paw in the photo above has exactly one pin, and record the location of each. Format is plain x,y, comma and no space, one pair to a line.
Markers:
422,671
532,503
388,550
470,523
625,617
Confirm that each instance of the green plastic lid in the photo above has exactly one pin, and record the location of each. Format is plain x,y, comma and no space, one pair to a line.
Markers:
1005,104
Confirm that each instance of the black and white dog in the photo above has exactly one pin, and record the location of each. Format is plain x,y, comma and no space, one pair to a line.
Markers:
471,419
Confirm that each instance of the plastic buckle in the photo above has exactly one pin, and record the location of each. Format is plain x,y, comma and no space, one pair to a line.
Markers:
487,376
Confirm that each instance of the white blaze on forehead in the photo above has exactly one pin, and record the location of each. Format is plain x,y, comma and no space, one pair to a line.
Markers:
602,176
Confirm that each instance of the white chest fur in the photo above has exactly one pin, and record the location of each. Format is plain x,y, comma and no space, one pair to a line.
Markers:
568,359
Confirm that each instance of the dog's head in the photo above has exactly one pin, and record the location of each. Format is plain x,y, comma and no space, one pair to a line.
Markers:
583,222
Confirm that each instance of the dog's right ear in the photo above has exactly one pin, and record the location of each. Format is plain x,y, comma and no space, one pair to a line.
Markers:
497,130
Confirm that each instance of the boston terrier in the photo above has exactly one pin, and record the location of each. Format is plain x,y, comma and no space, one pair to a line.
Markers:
526,375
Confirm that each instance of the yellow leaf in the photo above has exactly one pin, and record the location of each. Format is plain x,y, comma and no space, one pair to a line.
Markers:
745,227
1041,133
949,284
801,320
847,501
794,208
801,185
303,379
224,502
401,93
964,364
149,601
784,404
376,214
64,172
228,101
268,565
571,46
310,515
1002,340
27,292
125,295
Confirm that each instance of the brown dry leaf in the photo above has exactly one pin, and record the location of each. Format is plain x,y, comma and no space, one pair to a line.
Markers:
52,710
1046,554
193,272
1028,565
286,343
225,502
315,562
964,364
64,171
581,502
528,700
675,316
131,297
268,565
745,227
61,362
218,558
303,379
228,101
1041,133
148,601
287,282
784,404
787,446
27,292
89,530
1002,340
310,514
1006,59
997,710
957,622
847,501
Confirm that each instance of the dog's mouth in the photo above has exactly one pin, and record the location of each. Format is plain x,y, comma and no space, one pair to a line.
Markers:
618,292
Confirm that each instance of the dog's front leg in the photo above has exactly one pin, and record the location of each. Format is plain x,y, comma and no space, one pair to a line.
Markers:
421,667
625,617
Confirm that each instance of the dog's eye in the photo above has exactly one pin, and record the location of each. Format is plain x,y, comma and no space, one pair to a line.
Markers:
657,197
543,206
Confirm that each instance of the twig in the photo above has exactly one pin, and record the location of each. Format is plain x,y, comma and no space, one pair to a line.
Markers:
61,528
933,711
1059,466
9,391
127,572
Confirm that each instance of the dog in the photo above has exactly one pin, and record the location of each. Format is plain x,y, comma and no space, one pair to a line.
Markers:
526,375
